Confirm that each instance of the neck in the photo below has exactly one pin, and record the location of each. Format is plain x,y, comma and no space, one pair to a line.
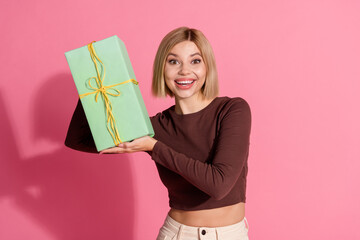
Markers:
191,105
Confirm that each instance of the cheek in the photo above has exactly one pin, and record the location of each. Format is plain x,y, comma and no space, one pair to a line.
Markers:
169,73
201,72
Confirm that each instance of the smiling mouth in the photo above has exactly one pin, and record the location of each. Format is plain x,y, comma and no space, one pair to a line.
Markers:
184,82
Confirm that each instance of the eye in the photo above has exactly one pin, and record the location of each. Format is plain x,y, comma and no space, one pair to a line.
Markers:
173,61
196,61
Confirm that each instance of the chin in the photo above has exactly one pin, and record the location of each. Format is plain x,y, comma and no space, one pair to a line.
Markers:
184,95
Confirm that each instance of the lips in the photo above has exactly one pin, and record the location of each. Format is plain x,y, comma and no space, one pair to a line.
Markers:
184,83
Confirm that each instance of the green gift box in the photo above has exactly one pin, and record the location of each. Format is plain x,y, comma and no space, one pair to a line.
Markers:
109,92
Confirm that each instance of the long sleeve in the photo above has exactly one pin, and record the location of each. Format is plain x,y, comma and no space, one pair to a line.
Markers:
218,175
79,136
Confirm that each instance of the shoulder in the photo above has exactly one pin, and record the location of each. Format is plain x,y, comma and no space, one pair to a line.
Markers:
235,104
237,101
161,115
235,112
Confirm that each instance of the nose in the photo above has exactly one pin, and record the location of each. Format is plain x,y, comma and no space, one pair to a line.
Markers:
184,69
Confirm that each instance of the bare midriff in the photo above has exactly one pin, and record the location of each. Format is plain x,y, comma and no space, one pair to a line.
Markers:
217,217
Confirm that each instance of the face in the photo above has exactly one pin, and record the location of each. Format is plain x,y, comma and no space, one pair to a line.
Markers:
185,71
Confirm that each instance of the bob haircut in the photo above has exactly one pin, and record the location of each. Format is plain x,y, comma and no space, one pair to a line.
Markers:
210,88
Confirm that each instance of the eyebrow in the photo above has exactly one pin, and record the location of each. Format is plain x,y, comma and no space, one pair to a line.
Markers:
173,54
195,54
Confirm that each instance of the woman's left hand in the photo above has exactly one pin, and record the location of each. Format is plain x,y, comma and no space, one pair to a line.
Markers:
145,143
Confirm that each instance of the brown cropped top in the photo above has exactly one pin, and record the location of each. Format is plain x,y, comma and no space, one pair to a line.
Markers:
202,157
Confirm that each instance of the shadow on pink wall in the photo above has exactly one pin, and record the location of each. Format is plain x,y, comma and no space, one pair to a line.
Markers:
72,195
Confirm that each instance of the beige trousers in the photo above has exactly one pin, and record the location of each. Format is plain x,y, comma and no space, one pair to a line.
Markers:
173,230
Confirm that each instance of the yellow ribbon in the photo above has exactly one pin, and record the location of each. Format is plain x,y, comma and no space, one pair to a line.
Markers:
104,91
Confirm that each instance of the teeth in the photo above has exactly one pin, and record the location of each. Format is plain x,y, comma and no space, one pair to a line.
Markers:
184,82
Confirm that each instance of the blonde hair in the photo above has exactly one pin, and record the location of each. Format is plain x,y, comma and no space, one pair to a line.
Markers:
210,88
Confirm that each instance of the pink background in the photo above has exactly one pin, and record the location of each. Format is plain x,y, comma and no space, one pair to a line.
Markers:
296,63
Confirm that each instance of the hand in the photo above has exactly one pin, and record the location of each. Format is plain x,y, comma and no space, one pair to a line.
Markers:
140,144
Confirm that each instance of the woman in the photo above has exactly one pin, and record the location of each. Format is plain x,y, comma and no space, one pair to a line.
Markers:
200,145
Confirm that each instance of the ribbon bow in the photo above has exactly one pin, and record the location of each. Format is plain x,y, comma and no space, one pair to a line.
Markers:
104,91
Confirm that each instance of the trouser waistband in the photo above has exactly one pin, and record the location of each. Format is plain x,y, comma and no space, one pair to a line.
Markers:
190,231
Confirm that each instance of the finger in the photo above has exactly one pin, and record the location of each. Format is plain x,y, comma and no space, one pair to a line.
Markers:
111,150
118,150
